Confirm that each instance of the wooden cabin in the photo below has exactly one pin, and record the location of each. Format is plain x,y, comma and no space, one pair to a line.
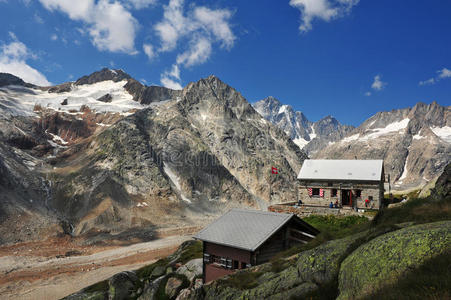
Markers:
351,183
243,238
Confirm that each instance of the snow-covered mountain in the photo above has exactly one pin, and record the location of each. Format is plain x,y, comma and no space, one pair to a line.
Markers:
415,143
309,136
106,154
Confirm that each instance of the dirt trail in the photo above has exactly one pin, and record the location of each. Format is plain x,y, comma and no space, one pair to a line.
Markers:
26,274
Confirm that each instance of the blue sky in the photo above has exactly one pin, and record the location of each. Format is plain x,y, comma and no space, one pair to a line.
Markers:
347,58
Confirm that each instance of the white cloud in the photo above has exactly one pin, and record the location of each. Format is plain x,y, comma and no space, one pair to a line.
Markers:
325,10
198,53
444,73
430,81
368,94
441,74
54,37
109,24
171,79
199,28
13,57
38,19
170,84
139,4
149,51
378,84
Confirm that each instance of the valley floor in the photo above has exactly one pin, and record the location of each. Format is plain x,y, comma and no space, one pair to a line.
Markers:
45,270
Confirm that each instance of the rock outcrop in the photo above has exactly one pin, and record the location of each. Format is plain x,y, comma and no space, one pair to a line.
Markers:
385,259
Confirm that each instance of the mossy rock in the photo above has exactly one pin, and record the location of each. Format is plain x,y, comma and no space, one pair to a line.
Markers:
385,259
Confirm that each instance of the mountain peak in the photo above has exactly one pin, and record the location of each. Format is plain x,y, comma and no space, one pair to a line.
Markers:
10,79
103,75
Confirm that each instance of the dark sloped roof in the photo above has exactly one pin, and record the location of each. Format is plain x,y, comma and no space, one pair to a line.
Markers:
244,229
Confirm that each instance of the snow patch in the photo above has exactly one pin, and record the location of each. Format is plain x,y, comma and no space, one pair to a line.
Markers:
418,137
300,142
283,109
175,180
57,138
392,127
351,138
21,101
313,134
142,204
443,133
404,172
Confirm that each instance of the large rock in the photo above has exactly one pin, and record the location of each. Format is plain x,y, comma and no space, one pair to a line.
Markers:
386,258
191,269
122,285
150,289
173,286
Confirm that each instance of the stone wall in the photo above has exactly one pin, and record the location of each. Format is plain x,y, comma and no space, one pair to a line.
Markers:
305,211
374,190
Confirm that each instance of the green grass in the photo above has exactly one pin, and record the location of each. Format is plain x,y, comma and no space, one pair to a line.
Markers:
415,210
146,271
242,280
191,252
336,226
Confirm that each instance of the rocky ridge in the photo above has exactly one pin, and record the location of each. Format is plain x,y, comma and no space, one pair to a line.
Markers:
309,136
413,142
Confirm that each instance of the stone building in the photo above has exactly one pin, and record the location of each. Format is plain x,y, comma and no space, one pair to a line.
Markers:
350,183
243,238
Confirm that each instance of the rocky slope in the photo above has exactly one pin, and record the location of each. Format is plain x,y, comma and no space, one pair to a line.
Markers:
309,136
106,155
415,143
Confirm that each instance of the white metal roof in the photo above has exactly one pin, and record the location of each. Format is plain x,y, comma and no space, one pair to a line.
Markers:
329,169
244,229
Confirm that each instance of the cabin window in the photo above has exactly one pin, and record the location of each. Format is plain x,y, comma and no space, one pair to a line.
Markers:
229,263
329,184
206,258
358,193
315,192
222,262
370,198
334,193
243,265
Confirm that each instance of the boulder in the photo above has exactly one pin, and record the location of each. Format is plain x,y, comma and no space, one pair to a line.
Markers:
386,258
122,285
191,269
150,289
158,271
184,294
173,286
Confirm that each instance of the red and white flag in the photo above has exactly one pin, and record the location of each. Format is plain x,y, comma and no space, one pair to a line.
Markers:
274,170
